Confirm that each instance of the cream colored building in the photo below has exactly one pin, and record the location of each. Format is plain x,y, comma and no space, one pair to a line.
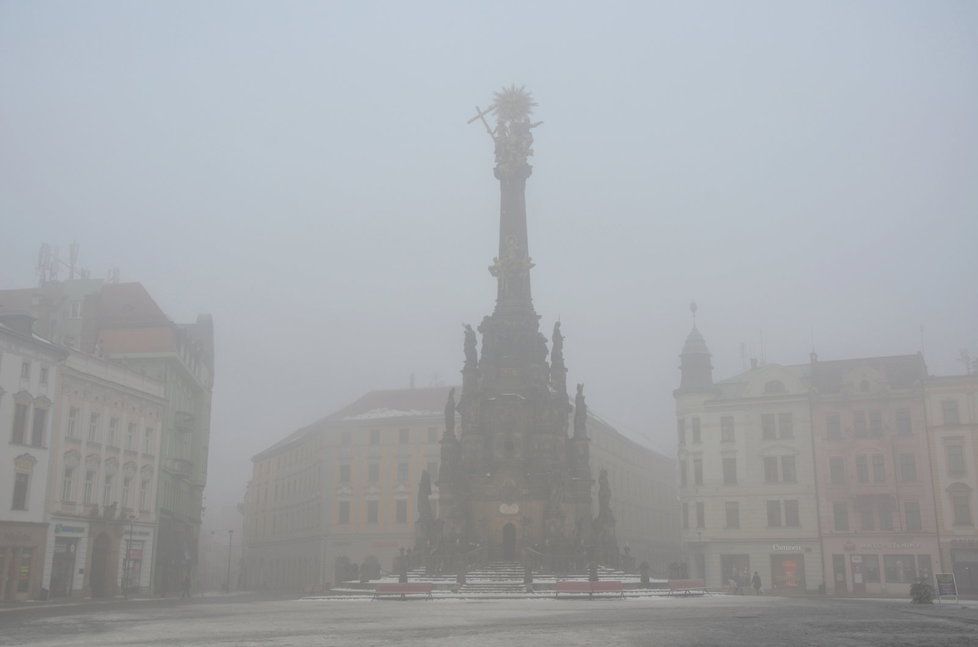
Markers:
344,489
746,474
952,429
103,476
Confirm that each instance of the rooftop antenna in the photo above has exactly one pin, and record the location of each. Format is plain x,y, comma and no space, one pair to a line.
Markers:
965,358
692,309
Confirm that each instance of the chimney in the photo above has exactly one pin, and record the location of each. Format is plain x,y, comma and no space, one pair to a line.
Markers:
19,322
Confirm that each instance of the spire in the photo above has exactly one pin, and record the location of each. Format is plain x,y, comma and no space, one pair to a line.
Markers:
558,370
695,365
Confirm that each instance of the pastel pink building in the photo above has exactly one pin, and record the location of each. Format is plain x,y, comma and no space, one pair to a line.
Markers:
873,477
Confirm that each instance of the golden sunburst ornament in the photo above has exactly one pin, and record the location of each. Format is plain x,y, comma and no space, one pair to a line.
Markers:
513,103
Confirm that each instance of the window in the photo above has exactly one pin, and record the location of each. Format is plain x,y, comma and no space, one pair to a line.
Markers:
879,468
730,471
143,489
791,516
886,518
148,441
346,438
837,470
961,509
37,427
44,375
107,490
904,425
89,486
770,469
373,472
20,424
372,511
833,426
768,426
733,514
862,469
344,473
93,427
21,481
344,512
685,516
788,473
375,436
126,488
899,568
131,436
66,484
433,471
401,514
859,423
113,434
871,568
698,471
681,431
875,423
25,371
774,514
911,510
840,514
908,467
700,515
786,425
924,566
72,431
696,430
727,429
402,472
950,410
955,460
74,310
682,473
867,519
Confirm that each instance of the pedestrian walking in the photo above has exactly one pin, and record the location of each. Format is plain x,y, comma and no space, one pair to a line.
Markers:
756,583
185,593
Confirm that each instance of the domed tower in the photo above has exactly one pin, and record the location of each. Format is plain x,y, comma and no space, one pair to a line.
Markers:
695,366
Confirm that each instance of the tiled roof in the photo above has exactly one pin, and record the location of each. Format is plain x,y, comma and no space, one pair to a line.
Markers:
900,371
128,304
395,403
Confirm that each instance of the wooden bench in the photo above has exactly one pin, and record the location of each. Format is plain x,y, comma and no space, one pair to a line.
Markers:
687,587
404,589
577,586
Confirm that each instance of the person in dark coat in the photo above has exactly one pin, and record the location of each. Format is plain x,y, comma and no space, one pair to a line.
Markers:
756,583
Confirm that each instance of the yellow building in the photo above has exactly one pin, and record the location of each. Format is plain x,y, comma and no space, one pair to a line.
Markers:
343,491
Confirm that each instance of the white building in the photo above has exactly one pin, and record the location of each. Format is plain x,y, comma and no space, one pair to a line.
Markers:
28,382
103,478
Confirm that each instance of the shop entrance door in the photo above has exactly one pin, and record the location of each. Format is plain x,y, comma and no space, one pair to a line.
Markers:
509,542
839,573
858,574
100,565
63,567
965,566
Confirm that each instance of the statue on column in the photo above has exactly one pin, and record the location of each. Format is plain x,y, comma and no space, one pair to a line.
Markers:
471,354
424,526
580,414
450,414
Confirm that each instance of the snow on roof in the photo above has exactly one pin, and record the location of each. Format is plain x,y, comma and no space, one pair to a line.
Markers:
385,412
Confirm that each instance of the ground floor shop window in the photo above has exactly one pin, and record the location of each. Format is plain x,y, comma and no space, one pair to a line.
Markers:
735,569
899,568
871,568
788,572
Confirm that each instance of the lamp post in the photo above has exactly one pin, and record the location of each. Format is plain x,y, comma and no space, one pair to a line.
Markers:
127,563
227,582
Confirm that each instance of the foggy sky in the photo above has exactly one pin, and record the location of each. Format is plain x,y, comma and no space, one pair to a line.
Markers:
304,172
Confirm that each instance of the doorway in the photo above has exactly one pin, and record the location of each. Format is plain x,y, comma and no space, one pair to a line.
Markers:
509,542
99,578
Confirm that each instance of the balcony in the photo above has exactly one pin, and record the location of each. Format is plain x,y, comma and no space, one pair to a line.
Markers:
179,466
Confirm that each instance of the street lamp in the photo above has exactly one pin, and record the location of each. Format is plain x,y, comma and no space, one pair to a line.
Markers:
227,582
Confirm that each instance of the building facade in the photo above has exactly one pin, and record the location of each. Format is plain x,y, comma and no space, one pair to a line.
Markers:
879,528
105,454
121,322
343,492
29,376
952,431
747,501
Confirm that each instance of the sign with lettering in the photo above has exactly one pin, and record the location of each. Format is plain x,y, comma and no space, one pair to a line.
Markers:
946,584
64,529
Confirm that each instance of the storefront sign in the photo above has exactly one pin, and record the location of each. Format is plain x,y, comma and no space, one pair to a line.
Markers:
790,548
139,533
946,585
893,546
63,529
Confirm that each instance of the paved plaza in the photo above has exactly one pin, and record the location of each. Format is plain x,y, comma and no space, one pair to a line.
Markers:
714,620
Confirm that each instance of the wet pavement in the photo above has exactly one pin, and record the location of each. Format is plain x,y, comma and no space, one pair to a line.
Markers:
714,620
